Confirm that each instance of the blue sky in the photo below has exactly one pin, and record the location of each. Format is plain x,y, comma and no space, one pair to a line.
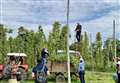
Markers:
94,15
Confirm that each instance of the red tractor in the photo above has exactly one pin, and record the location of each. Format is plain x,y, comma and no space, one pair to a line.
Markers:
1,71
15,67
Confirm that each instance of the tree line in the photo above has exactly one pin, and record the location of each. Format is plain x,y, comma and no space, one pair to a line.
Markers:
96,54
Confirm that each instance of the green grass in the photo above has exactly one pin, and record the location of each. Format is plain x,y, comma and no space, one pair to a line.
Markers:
99,77
91,77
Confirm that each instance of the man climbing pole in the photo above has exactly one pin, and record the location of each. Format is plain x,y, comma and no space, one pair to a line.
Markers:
81,70
40,72
44,54
78,32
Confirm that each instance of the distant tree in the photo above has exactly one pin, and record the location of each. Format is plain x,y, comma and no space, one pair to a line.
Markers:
118,47
63,38
106,53
22,34
39,42
3,38
86,53
30,47
54,39
31,43
10,31
99,56
10,42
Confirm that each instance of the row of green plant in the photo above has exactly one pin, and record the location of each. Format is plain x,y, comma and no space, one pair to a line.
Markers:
97,55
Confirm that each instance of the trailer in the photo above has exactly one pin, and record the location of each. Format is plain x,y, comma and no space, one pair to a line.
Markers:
59,68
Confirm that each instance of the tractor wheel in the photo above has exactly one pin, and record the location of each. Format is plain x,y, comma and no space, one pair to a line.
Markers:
7,72
60,78
21,74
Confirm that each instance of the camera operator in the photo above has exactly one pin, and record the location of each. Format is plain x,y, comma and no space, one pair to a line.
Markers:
118,71
116,76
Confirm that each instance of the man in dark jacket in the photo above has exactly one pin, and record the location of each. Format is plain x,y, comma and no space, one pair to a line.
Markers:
118,71
116,76
44,54
78,32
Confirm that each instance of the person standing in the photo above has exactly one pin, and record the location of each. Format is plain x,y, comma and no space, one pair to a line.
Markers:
78,32
116,76
81,70
118,71
44,54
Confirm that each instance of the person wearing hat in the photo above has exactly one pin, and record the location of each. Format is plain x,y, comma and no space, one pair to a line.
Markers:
81,70
44,54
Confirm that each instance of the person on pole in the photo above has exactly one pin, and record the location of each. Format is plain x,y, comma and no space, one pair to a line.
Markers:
44,54
81,70
78,32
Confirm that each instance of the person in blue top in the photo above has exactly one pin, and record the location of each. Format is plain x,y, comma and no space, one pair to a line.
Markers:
44,54
81,70
40,72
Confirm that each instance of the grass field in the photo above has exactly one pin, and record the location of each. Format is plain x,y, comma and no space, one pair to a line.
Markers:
91,77
99,77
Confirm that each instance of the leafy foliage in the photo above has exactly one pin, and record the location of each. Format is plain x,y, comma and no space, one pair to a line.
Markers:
97,55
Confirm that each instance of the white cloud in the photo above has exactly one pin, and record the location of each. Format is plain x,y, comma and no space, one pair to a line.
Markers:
91,9
94,15
45,11
34,11
111,1
104,25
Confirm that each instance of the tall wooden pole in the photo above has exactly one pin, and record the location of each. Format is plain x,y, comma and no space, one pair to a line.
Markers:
68,56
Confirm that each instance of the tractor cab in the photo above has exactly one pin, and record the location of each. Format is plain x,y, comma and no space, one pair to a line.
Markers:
19,59
16,67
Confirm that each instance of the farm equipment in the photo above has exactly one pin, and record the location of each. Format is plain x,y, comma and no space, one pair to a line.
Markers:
16,67
1,71
59,68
